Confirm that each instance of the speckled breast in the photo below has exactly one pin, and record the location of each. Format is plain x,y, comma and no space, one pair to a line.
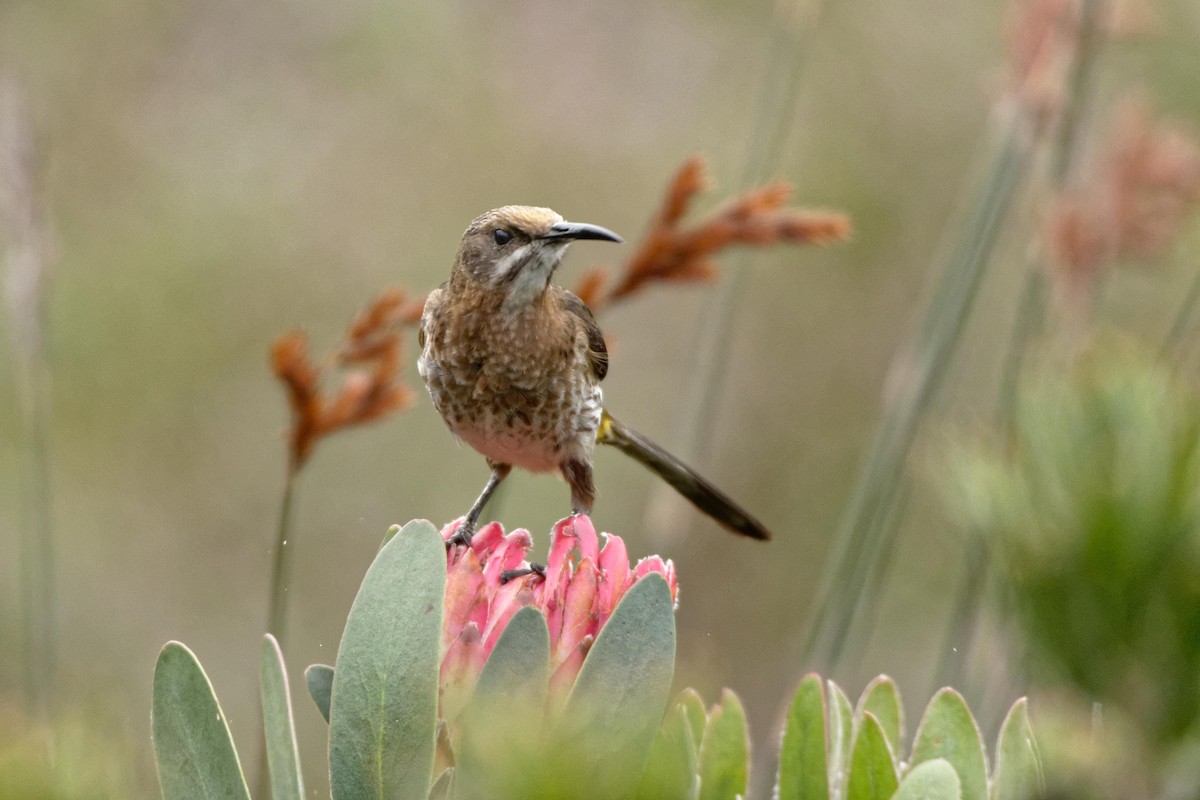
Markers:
533,415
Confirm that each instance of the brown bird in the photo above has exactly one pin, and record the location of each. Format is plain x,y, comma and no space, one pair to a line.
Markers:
514,362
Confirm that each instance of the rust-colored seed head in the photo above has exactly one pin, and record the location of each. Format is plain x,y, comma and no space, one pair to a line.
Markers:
1131,206
671,252
368,392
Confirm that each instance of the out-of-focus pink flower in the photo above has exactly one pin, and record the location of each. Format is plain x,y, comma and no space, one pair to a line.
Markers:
577,591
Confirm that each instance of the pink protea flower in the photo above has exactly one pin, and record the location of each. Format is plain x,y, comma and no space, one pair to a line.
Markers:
577,591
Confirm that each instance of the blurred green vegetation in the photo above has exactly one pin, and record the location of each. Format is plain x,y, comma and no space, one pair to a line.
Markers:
216,173
1092,517
72,761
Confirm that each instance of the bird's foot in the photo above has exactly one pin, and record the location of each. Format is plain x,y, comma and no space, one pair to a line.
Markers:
513,574
462,536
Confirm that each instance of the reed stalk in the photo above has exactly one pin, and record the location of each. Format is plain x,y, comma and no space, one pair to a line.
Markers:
1173,343
25,292
1028,324
869,525
771,122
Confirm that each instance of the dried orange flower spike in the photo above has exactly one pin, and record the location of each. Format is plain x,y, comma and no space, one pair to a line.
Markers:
370,387
672,252
1132,206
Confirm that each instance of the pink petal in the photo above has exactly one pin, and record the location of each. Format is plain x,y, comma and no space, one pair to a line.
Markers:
460,670
563,677
562,542
447,532
464,595
551,595
579,617
486,539
508,600
651,564
551,606
615,576
452,528
585,533
509,554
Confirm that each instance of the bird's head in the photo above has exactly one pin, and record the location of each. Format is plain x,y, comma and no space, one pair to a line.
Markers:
515,250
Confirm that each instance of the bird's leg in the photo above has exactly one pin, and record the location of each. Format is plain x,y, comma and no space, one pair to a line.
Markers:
467,529
578,474
533,569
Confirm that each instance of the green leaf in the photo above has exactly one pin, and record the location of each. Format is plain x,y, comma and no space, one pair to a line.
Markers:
383,709
841,729
672,769
881,698
507,707
1018,773
697,717
613,712
193,748
279,727
319,678
931,780
949,731
725,751
803,773
872,767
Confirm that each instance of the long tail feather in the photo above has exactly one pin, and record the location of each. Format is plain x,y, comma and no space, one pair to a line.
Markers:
702,494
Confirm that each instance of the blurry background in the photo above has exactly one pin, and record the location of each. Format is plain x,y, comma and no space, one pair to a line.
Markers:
216,173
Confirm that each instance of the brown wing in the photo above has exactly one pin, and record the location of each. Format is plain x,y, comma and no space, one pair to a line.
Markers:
432,303
597,350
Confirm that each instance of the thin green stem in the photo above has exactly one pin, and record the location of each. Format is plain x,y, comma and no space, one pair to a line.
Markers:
1028,324
869,523
37,537
25,291
764,145
1183,319
281,565
713,333
281,579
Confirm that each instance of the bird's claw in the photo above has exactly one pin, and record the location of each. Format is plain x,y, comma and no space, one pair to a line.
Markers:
462,536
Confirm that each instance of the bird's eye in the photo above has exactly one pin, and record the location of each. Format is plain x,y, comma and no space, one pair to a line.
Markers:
501,236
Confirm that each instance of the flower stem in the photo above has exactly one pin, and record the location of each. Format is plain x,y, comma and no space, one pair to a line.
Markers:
281,565
281,578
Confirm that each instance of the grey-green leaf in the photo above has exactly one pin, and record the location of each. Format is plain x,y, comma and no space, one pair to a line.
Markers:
841,728
195,753
383,708
1018,774
693,706
725,751
319,678
872,773
279,726
672,769
882,699
948,731
931,780
803,773
507,706
613,712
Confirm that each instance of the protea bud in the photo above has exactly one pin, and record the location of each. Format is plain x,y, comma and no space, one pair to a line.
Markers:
577,591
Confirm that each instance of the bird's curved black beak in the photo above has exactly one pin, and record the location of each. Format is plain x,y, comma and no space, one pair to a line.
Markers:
579,230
